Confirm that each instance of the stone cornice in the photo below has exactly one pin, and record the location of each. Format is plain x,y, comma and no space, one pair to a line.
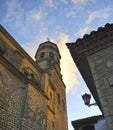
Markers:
16,44
95,41
20,75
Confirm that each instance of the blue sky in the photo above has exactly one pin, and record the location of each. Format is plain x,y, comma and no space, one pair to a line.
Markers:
31,22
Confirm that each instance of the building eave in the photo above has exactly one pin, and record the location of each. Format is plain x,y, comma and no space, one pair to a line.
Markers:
89,120
86,46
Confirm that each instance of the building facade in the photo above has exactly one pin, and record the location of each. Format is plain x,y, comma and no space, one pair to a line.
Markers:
90,123
32,93
93,55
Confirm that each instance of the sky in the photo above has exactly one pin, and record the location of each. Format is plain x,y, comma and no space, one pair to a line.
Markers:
32,22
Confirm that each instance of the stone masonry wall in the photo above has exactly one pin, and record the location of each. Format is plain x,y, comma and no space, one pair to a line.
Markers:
35,115
101,64
12,95
22,105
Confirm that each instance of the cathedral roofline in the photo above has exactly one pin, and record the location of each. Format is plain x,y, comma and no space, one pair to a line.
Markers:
16,44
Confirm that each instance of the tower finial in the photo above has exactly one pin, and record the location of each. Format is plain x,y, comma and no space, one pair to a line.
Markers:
48,39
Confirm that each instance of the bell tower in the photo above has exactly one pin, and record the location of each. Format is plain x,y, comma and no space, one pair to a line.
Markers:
48,59
47,56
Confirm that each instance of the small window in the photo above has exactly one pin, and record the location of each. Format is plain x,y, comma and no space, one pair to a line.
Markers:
58,98
32,77
53,125
50,95
2,47
110,80
42,55
26,73
51,55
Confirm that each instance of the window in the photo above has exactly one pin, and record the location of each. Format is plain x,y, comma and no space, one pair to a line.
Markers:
53,125
32,77
50,95
58,98
2,47
42,55
51,55
110,80
18,58
25,73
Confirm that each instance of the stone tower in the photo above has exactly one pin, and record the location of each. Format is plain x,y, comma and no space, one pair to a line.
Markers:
93,55
48,58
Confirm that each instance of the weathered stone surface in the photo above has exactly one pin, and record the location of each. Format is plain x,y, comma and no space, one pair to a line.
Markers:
29,93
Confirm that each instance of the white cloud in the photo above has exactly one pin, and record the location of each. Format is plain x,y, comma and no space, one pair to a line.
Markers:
64,1
68,68
14,12
71,13
99,14
50,3
37,14
82,31
80,1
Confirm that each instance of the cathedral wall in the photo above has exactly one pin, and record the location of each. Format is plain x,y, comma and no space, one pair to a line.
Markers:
31,98
60,107
23,104
50,120
35,114
12,97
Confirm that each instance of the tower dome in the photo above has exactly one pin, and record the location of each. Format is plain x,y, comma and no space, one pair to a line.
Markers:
48,56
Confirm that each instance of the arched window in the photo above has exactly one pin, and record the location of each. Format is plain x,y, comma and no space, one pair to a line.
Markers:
42,55
51,55
53,125
26,73
50,95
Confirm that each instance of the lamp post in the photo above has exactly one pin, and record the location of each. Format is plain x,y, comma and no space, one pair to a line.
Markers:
87,97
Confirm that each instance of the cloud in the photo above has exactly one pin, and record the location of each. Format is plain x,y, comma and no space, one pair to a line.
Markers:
68,68
64,1
99,14
50,3
37,14
14,12
83,2
71,13
82,31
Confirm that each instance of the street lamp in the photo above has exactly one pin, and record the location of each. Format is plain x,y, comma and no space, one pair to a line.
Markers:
87,97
